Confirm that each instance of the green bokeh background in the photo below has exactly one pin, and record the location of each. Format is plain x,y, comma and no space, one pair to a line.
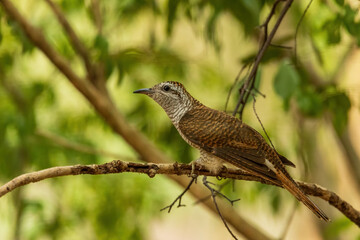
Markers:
202,44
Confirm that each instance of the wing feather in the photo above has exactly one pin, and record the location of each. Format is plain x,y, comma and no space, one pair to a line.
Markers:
227,138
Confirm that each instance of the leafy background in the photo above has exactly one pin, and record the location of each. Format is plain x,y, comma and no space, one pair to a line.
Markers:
311,112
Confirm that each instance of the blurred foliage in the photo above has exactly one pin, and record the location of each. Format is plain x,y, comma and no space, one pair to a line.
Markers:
139,44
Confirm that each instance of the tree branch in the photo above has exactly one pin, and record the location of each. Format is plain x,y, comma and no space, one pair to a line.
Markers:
249,83
74,40
152,169
333,199
39,40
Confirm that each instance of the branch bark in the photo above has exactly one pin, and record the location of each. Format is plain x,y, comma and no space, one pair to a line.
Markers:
152,169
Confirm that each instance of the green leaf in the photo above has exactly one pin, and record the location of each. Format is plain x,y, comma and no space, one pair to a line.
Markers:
350,22
339,105
276,202
247,12
27,45
71,5
211,30
109,67
6,61
340,2
101,43
309,102
333,30
171,14
33,205
286,82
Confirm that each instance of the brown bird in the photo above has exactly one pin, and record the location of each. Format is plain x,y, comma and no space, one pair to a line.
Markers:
224,138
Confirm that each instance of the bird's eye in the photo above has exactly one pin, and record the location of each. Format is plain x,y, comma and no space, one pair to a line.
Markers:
166,88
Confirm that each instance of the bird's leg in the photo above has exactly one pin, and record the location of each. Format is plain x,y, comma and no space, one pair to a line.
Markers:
197,162
179,198
193,166
210,162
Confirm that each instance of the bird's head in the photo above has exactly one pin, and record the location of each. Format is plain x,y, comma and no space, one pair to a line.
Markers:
172,97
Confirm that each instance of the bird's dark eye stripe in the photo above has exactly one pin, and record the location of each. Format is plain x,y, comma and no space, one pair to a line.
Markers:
166,88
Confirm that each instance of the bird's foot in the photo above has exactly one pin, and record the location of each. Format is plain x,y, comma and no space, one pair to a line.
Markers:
193,168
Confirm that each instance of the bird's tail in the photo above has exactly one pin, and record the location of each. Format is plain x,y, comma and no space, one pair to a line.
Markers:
294,189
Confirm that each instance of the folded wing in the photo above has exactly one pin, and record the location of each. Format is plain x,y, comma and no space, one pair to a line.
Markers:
227,138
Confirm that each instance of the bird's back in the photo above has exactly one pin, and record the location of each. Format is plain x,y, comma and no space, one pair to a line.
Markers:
226,137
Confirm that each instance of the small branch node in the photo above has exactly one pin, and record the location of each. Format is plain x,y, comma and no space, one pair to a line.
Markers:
217,192
152,173
179,198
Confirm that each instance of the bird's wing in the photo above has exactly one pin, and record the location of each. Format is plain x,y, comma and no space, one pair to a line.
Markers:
227,138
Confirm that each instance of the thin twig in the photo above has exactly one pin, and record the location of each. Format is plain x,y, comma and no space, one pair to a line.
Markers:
179,198
220,187
265,24
298,27
262,126
245,89
213,195
217,192
233,85
249,83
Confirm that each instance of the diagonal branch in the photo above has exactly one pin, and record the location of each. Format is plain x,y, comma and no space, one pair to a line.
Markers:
74,40
249,83
151,169
38,39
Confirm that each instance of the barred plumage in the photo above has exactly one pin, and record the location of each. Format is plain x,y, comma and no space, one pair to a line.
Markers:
224,138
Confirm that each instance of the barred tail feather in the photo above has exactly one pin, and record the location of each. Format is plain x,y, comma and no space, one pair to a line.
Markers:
294,189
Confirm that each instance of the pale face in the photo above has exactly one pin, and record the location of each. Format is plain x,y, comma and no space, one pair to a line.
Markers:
171,96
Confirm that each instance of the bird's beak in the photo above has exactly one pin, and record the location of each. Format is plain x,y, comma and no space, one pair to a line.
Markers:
144,91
